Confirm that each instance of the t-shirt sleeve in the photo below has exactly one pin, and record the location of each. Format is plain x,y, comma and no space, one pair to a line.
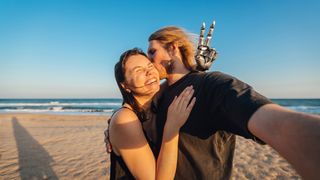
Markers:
238,102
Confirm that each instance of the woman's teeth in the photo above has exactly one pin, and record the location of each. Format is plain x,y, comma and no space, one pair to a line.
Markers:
150,81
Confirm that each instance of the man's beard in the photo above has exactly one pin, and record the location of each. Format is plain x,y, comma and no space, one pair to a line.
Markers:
170,66
165,68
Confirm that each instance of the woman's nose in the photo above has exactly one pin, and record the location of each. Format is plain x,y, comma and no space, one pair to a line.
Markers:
148,71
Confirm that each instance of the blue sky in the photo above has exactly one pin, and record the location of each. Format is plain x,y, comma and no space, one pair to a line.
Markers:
67,49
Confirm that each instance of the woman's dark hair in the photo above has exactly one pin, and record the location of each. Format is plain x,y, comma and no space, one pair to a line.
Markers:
119,73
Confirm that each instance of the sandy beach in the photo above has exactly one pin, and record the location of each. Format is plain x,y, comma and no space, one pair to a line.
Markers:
38,146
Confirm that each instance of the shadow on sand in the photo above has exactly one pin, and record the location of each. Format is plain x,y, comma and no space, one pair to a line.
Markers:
34,160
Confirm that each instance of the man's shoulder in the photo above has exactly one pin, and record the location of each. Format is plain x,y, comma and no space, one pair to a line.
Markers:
213,76
218,75
210,74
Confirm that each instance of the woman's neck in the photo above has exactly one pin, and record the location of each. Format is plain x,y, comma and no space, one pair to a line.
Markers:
144,101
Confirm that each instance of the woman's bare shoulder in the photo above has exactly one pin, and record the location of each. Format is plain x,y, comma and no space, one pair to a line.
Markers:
123,115
125,125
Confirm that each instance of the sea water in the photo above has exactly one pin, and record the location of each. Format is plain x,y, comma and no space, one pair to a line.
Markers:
107,106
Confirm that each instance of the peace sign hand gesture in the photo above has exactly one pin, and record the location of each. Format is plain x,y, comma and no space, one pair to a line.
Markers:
205,55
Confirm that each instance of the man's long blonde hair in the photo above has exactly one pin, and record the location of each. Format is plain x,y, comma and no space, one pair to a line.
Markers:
175,35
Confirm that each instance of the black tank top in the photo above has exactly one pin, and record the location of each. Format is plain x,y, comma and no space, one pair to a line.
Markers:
119,169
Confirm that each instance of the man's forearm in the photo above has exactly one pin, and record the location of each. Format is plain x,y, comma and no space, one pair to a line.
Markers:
296,136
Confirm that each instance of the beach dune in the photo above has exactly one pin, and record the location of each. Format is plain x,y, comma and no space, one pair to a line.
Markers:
39,146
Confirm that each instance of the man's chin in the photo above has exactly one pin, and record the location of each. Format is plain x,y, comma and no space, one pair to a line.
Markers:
162,76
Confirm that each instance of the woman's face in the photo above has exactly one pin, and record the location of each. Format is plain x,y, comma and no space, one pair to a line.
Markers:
141,77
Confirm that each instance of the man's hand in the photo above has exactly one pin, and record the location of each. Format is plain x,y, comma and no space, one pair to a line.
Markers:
107,141
205,55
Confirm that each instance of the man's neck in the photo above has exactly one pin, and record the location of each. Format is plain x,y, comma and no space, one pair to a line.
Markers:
179,71
173,78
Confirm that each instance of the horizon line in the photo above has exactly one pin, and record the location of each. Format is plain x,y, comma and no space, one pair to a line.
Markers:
121,98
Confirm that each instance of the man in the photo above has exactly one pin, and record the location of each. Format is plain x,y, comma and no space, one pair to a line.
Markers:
227,106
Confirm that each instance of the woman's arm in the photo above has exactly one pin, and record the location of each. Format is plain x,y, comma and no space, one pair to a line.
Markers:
178,113
128,140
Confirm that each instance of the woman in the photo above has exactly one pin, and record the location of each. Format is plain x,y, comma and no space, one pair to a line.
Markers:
133,154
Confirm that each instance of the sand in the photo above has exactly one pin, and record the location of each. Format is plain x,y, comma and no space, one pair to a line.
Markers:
254,161
71,147
53,147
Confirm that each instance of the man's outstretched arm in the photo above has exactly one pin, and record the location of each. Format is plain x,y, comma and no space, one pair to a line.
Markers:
296,136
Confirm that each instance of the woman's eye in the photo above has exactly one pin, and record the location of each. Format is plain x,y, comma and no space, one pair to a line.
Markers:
138,70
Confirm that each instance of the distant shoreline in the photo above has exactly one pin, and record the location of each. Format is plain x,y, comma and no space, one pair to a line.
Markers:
106,106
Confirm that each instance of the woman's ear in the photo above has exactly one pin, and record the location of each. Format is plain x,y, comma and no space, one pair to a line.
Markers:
123,85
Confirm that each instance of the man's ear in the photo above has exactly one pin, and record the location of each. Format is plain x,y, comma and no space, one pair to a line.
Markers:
173,49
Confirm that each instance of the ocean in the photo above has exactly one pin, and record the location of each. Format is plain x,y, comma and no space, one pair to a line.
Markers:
60,106
107,106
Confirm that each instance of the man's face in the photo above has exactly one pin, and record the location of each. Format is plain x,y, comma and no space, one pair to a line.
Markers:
159,57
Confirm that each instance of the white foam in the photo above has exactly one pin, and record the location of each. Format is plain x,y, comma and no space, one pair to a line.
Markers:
56,108
59,111
306,109
54,102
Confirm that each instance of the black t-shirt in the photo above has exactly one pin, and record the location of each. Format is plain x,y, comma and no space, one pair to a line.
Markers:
223,108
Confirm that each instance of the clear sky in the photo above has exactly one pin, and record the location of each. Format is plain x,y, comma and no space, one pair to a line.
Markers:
67,49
